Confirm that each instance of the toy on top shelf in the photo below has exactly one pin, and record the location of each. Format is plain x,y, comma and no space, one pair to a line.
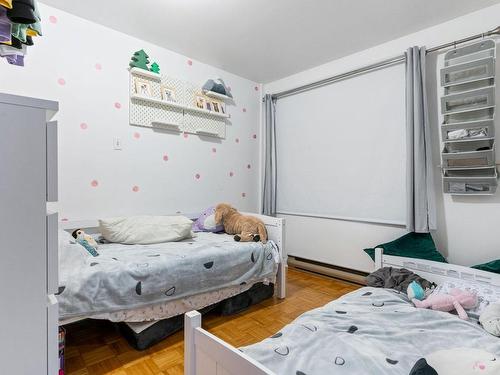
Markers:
217,88
140,60
155,68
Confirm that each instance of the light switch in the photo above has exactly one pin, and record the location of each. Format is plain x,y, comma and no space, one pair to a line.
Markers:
117,143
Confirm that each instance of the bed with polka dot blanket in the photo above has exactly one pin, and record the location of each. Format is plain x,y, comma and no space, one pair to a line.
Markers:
378,331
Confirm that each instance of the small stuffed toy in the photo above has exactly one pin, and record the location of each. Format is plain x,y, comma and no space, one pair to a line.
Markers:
490,319
415,291
457,300
245,228
206,222
457,361
86,241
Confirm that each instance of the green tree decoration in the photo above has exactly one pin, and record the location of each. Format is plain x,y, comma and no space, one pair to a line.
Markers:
139,60
155,68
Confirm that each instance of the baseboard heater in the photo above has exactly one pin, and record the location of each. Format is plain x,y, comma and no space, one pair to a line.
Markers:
326,269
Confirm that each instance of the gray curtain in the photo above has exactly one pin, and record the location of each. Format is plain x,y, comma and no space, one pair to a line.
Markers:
421,206
269,188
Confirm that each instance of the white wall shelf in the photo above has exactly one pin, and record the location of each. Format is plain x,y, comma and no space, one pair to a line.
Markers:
206,132
167,126
180,115
145,73
213,94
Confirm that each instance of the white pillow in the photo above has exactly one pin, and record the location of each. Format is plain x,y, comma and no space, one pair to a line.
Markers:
145,230
486,294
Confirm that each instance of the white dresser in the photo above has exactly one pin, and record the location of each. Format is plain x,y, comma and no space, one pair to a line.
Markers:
28,237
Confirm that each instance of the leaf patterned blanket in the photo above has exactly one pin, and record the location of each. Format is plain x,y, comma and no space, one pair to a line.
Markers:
378,331
131,276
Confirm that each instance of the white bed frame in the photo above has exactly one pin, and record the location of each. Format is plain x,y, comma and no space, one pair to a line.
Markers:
274,227
206,354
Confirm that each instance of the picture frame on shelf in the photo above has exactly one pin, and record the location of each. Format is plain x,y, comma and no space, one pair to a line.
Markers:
168,94
216,107
208,105
200,102
143,88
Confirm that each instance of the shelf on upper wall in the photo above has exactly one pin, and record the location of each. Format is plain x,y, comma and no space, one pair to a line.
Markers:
157,101
145,73
207,132
213,94
180,106
167,126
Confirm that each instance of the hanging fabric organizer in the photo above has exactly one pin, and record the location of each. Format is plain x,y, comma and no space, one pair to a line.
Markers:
151,109
468,128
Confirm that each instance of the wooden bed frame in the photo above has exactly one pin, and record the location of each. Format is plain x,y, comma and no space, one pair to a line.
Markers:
206,354
274,227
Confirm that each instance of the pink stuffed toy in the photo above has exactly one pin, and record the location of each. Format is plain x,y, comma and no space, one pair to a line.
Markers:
457,300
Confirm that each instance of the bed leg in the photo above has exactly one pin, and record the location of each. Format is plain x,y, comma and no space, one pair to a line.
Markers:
192,320
281,278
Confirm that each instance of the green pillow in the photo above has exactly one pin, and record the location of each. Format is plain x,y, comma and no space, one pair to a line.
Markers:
493,266
411,245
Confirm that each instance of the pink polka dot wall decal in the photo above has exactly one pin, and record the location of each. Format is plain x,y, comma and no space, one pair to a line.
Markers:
185,135
231,174
118,105
98,66
94,183
256,88
190,62
237,140
243,195
214,150
53,19
83,126
64,219
165,157
249,166
254,136
244,109
61,81
135,189
197,176
137,135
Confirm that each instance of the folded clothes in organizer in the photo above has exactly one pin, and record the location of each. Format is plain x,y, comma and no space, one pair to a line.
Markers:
23,11
6,4
5,26
13,55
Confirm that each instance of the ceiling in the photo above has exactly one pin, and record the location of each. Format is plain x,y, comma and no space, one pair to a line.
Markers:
265,40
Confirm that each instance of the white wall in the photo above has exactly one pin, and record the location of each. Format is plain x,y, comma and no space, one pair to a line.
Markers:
83,65
467,231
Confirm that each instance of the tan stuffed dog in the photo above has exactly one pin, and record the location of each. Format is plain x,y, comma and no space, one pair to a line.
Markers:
245,228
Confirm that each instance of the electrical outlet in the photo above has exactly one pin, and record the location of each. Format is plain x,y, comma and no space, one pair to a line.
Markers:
117,143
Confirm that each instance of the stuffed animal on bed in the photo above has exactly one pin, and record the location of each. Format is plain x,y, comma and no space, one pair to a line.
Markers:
457,361
490,319
206,222
458,300
244,227
415,291
86,241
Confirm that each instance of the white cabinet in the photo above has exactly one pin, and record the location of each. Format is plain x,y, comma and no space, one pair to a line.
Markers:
28,245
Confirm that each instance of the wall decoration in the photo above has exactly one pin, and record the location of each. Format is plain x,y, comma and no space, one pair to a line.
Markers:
217,87
176,106
155,68
140,60
143,88
168,94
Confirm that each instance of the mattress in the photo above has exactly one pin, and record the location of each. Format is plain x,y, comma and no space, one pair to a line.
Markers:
127,277
377,331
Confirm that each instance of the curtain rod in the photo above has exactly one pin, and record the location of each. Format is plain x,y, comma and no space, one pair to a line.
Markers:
376,66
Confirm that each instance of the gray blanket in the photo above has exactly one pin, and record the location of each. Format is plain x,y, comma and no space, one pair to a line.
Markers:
131,276
370,331
395,278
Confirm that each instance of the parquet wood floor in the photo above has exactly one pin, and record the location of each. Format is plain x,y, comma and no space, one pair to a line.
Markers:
94,347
